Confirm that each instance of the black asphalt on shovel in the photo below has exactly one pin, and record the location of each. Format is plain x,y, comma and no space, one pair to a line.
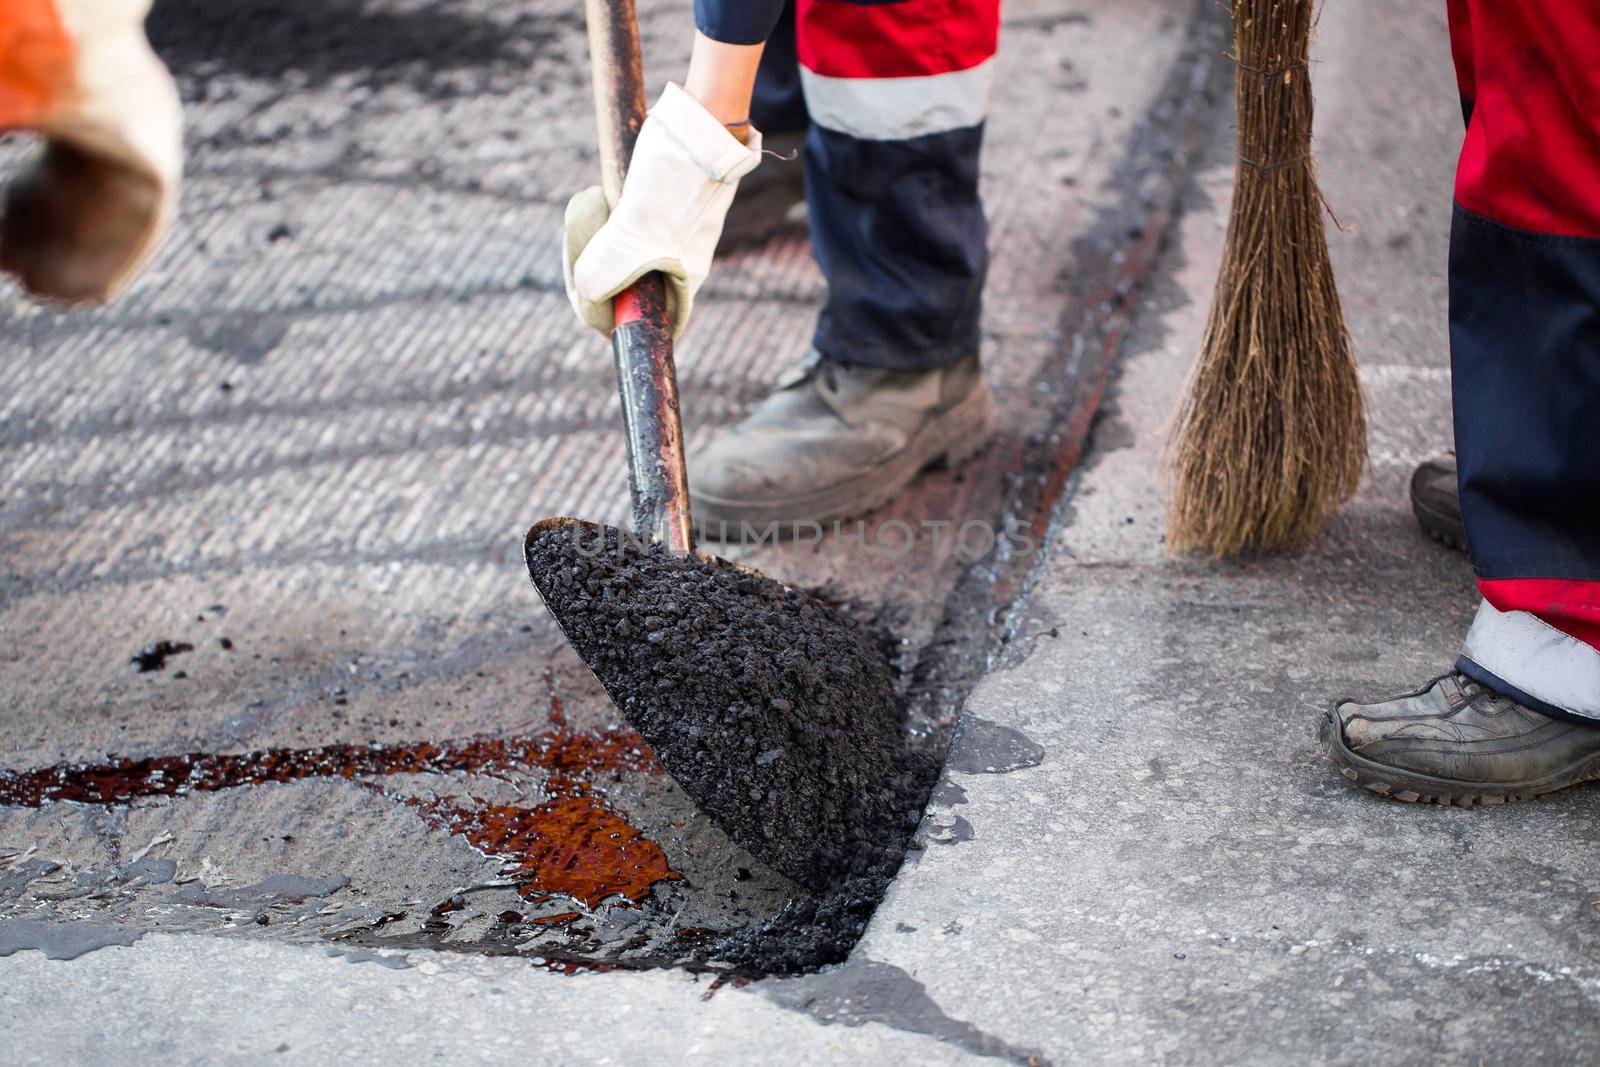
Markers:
775,713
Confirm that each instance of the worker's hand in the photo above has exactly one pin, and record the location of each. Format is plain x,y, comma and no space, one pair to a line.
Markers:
685,169
87,209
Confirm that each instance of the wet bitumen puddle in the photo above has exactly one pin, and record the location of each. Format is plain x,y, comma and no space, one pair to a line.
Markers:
573,848
576,886
594,859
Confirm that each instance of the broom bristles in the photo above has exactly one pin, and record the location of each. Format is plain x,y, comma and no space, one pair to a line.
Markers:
1271,435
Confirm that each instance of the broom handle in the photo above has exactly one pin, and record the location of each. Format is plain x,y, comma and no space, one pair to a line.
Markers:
641,343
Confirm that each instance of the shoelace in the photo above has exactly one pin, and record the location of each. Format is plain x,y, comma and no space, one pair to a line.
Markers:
1472,689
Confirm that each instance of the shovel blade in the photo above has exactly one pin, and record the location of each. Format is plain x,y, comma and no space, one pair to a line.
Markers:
776,714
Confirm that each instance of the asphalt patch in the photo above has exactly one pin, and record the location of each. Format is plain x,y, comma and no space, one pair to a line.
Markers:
777,714
809,932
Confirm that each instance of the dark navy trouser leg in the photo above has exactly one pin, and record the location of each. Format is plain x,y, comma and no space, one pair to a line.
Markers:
899,231
894,100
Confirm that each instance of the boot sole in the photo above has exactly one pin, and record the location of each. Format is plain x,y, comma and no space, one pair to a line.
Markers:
1411,787
946,441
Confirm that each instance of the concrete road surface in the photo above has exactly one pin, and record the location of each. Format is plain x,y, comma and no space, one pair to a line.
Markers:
317,428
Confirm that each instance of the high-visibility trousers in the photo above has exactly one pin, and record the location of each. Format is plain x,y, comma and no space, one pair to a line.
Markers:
1525,344
892,96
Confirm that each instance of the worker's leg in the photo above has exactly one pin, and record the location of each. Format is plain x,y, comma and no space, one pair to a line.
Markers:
1525,341
1523,714
898,93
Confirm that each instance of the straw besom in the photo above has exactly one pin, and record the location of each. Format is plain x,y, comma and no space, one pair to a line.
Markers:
1271,434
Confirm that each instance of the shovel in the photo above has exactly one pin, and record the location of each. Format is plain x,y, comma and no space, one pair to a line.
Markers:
775,713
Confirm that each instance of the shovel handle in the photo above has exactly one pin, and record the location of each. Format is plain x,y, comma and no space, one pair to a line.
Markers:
641,343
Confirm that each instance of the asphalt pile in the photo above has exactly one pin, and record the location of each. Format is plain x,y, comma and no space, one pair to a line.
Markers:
777,714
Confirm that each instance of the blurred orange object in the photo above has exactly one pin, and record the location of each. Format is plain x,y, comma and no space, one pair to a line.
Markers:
35,61
87,209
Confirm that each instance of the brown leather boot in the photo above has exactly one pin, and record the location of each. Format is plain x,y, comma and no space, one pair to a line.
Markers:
1458,742
836,443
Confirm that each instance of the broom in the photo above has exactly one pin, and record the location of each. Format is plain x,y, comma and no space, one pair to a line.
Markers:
1271,436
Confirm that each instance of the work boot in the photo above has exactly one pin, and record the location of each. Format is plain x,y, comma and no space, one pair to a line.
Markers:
772,198
1436,499
1457,741
837,442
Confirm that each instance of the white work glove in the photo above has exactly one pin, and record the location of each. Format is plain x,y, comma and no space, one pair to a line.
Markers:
87,209
686,167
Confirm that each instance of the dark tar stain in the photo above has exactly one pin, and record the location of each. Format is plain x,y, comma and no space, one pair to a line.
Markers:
569,756
573,844
153,657
984,747
63,940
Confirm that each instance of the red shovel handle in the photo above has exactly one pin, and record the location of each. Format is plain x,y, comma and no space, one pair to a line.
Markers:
642,340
